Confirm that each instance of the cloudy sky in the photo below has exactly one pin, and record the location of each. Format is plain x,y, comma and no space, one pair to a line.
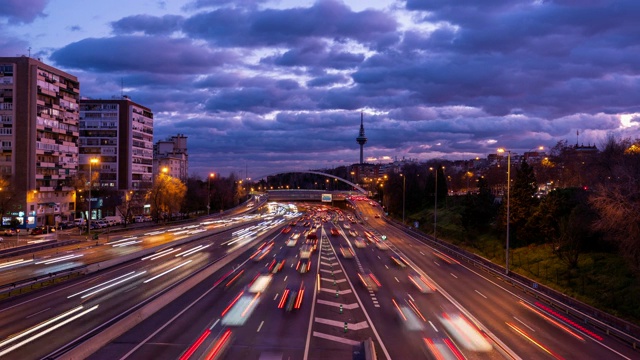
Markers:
271,86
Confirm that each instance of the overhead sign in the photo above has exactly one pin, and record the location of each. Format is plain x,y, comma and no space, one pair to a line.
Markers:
327,198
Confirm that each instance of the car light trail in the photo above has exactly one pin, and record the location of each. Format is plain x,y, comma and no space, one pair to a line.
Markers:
563,318
283,300
168,271
127,243
192,251
62,258
552,321
15,262
195,345
532,340
231,304
159,232
156,254
108,286
44,332
122,240
219,346
97,286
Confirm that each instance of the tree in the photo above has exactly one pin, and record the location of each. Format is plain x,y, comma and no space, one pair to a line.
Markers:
522,204
479,210
166,196
617,200
8,197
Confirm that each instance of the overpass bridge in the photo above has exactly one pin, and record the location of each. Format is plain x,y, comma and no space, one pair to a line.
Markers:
308,195
355,186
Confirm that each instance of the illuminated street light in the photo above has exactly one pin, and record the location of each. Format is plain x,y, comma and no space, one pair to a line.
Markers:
501,150
403,195
91,162
211,176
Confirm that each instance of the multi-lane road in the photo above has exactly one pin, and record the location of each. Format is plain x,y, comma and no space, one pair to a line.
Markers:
410,300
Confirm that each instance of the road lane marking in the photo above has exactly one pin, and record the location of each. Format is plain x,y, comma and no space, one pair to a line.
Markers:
347,291
435,262
357,326
386,267
422,253
285,278
453,275
328,271
336,338
479,293
260,327
338,281
276,296
39,312
522,322
344,306
396,279
433,326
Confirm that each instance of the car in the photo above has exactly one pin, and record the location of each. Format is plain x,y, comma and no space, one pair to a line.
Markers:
9,232
360,243
382,245
421,283
66,225
398,261
291,298
346,252
304,265
377,216
36,231
369,281
276,265
1,239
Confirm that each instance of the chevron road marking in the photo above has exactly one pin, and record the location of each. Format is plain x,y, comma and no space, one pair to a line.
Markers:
344,306
356,326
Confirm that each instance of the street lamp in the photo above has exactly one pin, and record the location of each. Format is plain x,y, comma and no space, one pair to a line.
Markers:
211,176
435,206
91,162
501,150
404,178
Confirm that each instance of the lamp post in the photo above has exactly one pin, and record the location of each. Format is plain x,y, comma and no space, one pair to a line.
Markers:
508,196
91,162
211,175
404,178
435,206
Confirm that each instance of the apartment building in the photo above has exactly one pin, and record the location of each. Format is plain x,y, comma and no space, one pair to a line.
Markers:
172,155
38,137
119,134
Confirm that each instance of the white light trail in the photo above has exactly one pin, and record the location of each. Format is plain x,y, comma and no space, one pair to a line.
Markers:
62,258
168,271
15,262
26,341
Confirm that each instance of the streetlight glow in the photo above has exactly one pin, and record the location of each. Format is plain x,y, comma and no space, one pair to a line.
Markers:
211,176
92,161
502,150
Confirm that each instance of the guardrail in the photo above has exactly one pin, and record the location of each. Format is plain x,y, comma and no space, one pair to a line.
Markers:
21,286
607,323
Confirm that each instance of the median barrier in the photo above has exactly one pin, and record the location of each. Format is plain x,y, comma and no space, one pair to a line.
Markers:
88,346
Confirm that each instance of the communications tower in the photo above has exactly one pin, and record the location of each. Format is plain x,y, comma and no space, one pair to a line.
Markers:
361,139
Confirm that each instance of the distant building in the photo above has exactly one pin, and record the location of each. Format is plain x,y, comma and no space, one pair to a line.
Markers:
119,132
39,136
172,154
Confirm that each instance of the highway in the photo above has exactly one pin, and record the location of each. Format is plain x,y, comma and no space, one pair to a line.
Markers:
409,299
39,323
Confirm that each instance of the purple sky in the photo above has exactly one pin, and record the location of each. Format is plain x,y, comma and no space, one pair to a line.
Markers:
279,85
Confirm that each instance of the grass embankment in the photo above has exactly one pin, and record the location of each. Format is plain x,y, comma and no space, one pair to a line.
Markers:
602,280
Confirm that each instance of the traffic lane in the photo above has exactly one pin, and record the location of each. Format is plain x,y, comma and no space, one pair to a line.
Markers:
93,251
186,328
275,330
522,325
418,319
502,306
131,289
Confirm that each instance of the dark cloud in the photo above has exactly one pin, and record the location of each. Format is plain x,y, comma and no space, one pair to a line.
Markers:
139,54
147,24
22,11
325,19
287,89
316,54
